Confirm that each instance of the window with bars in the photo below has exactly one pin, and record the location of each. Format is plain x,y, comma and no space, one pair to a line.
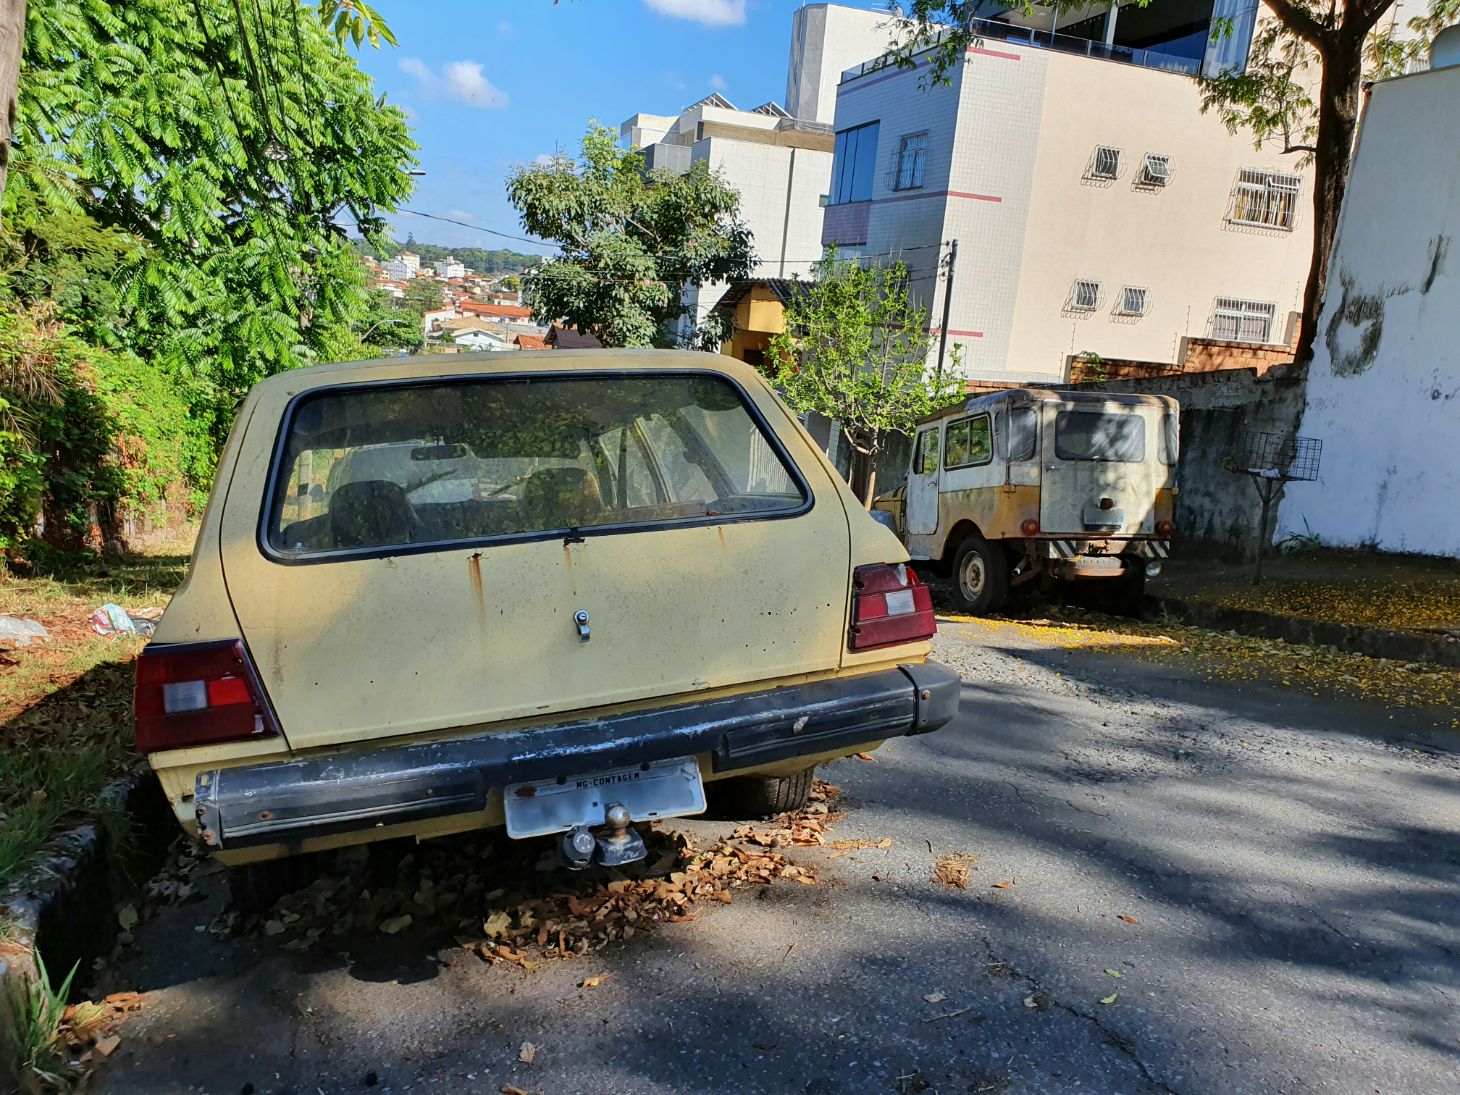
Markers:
1243,320
912,154
1085,296
1133,301
1156,171
1266,198
1107,162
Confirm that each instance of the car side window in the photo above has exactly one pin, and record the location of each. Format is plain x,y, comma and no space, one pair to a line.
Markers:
623,453
1018,433
925,457
686,480
969,442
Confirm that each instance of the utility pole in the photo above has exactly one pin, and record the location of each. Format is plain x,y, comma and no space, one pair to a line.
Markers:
947,305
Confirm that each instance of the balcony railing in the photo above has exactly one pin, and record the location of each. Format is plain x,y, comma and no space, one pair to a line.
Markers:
989,30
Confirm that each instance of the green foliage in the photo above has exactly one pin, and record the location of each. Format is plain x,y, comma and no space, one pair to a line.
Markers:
632,241
89,436
1274,98
354,20
34,1026
855,349
198,160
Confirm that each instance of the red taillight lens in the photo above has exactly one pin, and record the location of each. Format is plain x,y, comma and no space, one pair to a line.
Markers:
1165,528
197,693
889,606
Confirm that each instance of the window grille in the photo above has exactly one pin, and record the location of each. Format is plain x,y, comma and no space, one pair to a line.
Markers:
1243,320
1132,301
1156,171
1107,162
1085,297
1266,198
912,154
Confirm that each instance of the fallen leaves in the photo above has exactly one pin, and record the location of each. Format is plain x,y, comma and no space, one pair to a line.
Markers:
1003,885
1127,918
1113,973
527,1053
396,924
1109,999
952,871
91,1025
594,982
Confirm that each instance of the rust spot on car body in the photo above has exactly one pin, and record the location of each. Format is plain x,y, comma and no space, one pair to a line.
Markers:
474,570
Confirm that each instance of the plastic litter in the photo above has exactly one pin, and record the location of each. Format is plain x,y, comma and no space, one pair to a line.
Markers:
21,632
113,619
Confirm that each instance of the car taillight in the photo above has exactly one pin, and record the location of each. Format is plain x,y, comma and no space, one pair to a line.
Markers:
198,693
1165,529
890,605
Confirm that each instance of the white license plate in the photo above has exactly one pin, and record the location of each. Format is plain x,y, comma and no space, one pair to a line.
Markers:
665,788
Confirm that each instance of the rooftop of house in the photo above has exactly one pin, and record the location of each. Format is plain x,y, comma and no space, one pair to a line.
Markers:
501,311
531,342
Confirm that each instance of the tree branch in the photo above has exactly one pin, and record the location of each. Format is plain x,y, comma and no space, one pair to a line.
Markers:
1300,22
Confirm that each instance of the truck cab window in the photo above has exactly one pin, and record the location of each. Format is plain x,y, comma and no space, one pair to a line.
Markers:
925,458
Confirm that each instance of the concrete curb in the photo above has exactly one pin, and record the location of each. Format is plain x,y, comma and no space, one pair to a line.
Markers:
65,905
1375,642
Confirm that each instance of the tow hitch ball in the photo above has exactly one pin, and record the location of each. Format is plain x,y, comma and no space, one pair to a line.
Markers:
619,844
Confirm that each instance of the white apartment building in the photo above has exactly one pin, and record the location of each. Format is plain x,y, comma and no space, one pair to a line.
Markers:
397,270
778,158
450,268
1096,209
412,262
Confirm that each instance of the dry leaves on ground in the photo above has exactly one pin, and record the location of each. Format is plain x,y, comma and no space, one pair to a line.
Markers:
952,871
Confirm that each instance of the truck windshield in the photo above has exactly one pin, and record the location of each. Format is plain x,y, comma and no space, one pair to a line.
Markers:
1111,436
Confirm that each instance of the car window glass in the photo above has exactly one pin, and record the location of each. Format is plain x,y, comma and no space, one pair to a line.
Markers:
1110,436
379,467
925,460
955,445
1017,434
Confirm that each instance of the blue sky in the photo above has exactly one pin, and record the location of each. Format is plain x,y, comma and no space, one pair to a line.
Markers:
491,85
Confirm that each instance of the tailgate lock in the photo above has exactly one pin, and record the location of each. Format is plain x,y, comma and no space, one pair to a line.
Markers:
580,620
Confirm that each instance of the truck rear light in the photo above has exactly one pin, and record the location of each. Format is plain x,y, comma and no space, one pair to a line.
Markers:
196,694
1165,529
1030,527
890,606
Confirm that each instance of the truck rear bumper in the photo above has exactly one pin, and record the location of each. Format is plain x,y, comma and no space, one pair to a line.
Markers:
286,803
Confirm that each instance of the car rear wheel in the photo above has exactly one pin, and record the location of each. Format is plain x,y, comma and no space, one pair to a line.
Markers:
762,796
254,887
980,576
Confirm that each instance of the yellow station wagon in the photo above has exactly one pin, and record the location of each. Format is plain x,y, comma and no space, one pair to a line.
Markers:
557,592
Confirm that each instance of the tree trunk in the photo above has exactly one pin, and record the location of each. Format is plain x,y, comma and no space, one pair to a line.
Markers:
1338,116
12,45
871,483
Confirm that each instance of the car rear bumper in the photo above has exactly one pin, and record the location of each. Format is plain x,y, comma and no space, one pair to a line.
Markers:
286,803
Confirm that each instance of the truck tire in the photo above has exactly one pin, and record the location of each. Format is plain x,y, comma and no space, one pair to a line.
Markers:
254,887
980,576
762,796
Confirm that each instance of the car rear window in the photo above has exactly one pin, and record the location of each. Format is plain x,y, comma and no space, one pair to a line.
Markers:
1100,435
371,468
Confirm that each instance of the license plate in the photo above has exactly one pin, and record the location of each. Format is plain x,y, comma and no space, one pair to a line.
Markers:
665,788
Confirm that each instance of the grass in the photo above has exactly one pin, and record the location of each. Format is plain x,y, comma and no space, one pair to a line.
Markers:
66,704
38,1043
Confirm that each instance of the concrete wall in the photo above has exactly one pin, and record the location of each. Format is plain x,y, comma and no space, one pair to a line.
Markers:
1384,384
1217,509
825,40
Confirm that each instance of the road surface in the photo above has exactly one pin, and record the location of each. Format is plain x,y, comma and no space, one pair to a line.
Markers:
1273,878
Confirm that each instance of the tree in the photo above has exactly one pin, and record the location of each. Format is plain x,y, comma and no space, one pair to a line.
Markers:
855,349
632,241
222,153
1277,98
347,19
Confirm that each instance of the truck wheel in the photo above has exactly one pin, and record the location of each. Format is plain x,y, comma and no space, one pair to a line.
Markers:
980,576
762,796
254,887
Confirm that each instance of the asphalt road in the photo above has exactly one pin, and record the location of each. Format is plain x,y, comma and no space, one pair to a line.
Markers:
1273,878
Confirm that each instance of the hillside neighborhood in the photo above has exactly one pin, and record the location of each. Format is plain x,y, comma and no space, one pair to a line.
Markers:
729,545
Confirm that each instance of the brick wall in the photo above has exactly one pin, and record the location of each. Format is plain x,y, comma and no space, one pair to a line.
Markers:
1198,355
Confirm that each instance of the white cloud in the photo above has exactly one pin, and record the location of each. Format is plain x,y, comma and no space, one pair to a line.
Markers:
460,215
463,80
712,13
718,82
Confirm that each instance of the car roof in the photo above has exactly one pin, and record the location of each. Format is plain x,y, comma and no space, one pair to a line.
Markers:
1028,396
505,362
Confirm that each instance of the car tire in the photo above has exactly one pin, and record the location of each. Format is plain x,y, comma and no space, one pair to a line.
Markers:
254,887
763,796
980,576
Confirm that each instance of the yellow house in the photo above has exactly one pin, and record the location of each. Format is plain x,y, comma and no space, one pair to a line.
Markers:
758,307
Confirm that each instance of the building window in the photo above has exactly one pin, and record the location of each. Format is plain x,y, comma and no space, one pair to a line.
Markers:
1085,296
1132,301
1266,198
1156,171
854,160
968,442
1243,320
1106,164
912,153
